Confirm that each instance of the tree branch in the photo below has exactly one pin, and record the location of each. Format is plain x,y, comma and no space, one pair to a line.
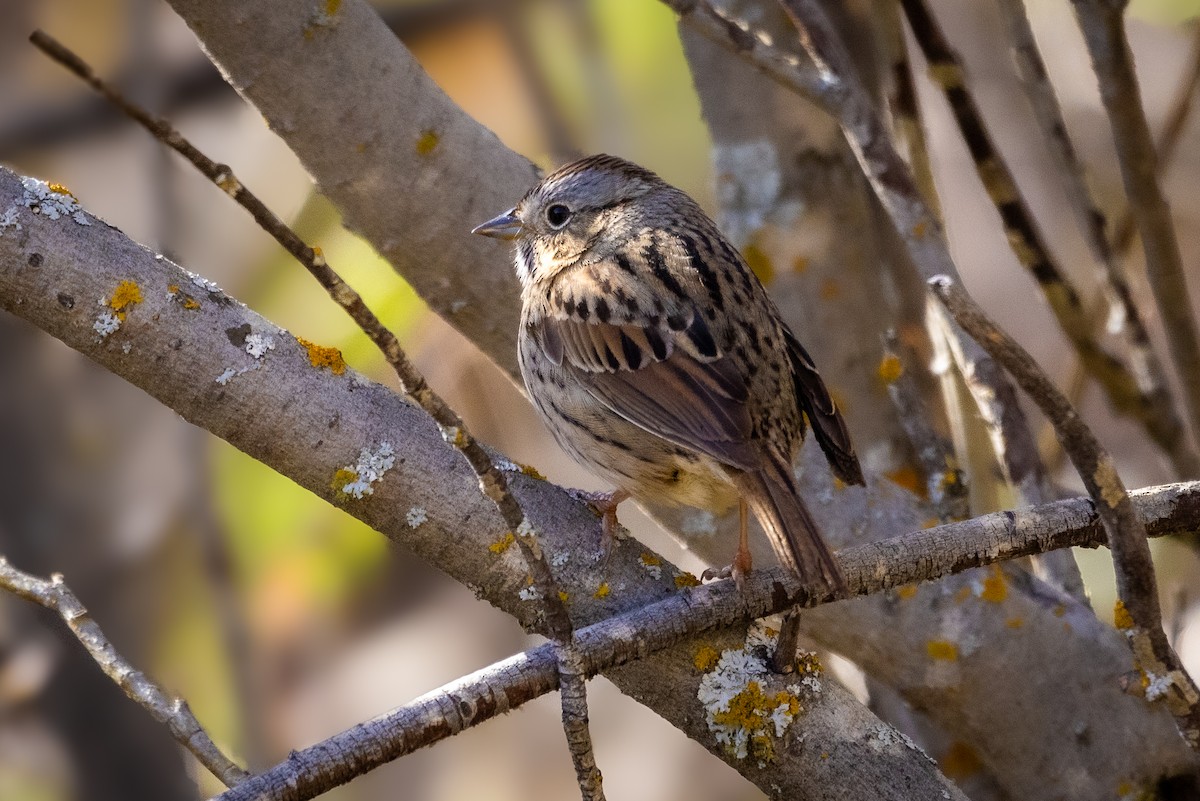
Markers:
1138,612
174,713
228,370
1103,26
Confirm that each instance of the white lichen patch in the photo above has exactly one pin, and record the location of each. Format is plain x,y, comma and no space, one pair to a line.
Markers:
416,516
749,181
231,373
370,469
741,712
883,737
257,344
202,282
51,201
1157,686
107,322
530,593
560,558
9,220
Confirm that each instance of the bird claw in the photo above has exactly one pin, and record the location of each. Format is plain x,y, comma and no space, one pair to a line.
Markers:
738,571
605,505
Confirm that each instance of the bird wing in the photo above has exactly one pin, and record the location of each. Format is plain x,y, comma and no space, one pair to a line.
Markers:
657,365
829,427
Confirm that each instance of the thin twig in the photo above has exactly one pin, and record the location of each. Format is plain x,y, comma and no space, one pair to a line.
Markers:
500,688
1103,26
1023,233
1157,410
492,481
1168,139
1138,612
174,713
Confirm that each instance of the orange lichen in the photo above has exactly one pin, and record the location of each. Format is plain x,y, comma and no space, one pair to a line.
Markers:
800,264
650,559
1121,617
995,588
943,650
532,472
427,142
830,289
960,761
562,596
127,294
333,6
919,230
930,522
706,658
602,591
963,594
906,476
753,711
182,298
760,263
1060,610
906,592
808,662
1014,622
890,368
503,544
321,356
59,189
341,477
686,580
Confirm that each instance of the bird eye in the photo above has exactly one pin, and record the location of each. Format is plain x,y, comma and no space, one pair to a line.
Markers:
557,215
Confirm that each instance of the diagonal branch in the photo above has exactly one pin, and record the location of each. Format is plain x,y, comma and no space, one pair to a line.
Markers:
1025,237
1138,612
506,685
1158,413
174,713
1103,26
492,481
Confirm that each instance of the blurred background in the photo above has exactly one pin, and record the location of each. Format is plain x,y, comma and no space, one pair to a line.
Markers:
278,617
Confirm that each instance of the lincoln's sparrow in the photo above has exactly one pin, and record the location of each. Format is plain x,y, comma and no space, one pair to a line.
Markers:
657,360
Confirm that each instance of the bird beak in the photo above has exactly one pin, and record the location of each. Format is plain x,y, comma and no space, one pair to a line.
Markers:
506,226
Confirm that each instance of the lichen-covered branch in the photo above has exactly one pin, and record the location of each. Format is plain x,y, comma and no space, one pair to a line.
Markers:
173,713
297,407
1138,612
505,686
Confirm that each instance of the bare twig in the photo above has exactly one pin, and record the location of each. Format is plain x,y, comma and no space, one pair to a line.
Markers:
1022,231
504,686
1168,139
174,713
492,481
1157,409
1103,26
1138,612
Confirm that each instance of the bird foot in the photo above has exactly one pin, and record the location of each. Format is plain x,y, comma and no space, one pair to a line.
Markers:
604,504
738,571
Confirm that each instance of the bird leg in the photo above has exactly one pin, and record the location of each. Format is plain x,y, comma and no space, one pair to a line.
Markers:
741,566
605,504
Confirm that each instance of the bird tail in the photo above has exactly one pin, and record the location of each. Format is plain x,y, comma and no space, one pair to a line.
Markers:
774,495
